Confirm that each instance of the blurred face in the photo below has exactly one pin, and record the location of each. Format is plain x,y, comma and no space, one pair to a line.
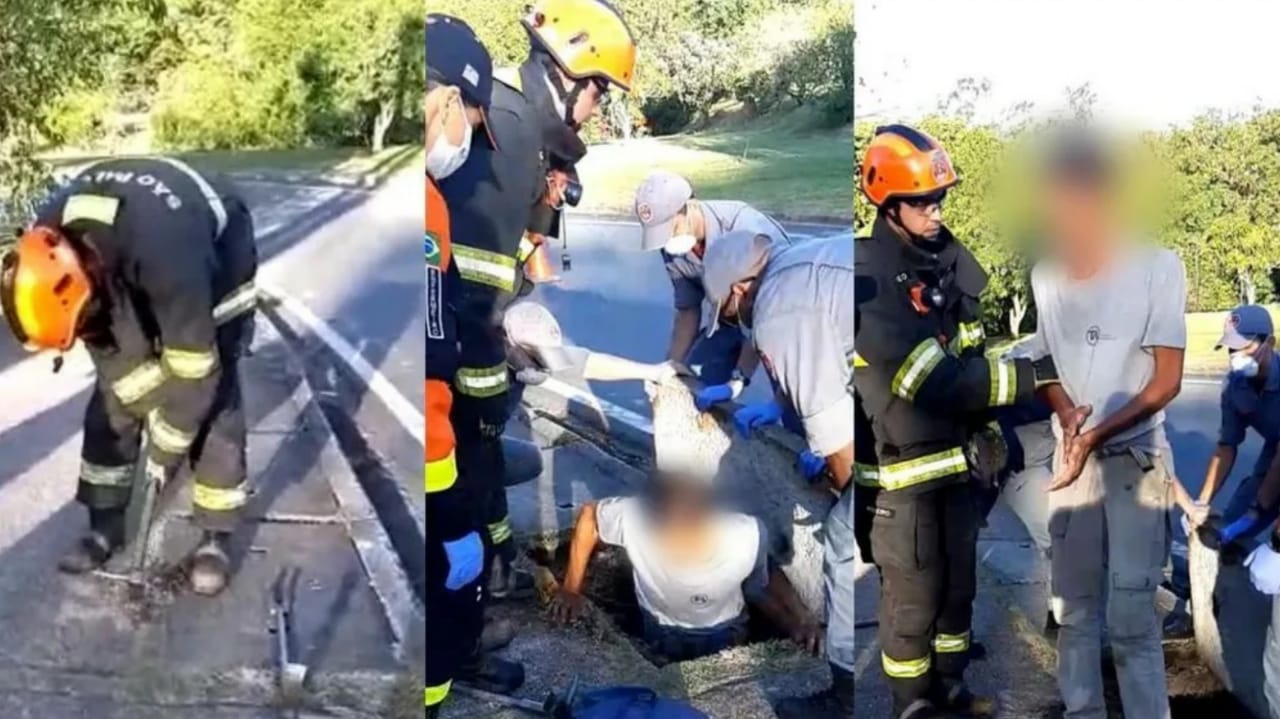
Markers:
684,504
1076,213
448,116
922,216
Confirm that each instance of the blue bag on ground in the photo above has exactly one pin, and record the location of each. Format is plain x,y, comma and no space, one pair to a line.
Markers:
631,703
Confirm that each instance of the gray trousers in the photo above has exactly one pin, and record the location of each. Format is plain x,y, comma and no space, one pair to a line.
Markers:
1109,535
837,574
1271,660
1024,492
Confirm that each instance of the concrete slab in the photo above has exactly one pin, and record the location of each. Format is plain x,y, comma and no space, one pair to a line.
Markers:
1230,621
84,646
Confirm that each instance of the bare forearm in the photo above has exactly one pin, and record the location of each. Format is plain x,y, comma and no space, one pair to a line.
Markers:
1056,397
781,602
1151,399
748,359
683,333
1220,464
583,545
840,466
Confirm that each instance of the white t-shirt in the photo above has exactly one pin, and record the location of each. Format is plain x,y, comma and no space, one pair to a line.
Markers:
698,597
1101,332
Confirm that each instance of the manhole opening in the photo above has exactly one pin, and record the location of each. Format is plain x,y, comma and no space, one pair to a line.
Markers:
611,588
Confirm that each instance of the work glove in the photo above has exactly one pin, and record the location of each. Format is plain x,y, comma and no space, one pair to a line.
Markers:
1264,569
755,416
526,368
988,455
466,558
813,466
704,398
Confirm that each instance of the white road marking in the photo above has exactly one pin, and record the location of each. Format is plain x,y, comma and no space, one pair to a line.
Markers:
612,411
406,413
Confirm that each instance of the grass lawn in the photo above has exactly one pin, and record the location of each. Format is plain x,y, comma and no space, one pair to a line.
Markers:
778,164
1203,331
346,162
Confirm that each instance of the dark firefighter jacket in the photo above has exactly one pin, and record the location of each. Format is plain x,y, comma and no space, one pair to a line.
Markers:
920,372
494,199
161,289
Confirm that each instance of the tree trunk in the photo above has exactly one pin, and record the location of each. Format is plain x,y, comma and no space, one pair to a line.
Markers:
382,123
1247,287
1016,314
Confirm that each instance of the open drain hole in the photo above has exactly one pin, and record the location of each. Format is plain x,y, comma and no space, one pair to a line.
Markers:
611,588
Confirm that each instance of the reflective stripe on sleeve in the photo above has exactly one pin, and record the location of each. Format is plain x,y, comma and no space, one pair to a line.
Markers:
98,208
189,364
482,381
441,473
1004,383
951,643
916,368
140,381
106,476
500,531
909,669
166,437
218,209
485,267
237,302
219,499
868,475
971,335
900,475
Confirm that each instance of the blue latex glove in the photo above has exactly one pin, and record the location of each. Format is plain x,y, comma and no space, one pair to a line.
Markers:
812,465
755,416
1249,524
466,557
708,396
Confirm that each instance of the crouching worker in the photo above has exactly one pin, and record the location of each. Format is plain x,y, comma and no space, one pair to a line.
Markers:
695,567
151,265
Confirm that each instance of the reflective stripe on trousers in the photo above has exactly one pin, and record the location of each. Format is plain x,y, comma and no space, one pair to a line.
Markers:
104,476
219,499
907,473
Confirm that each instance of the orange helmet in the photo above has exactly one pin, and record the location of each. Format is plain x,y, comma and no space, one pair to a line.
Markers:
902,161
587,38
44,290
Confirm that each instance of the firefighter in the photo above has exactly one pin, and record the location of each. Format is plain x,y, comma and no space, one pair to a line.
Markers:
926,389
459,83
151,265
506,195
795,302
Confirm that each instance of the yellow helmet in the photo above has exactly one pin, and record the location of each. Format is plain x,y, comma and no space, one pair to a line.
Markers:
587,38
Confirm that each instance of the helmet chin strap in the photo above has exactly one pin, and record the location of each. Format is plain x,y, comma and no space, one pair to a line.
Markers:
568,95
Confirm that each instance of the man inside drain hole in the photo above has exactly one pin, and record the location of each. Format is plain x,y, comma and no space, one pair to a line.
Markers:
695,566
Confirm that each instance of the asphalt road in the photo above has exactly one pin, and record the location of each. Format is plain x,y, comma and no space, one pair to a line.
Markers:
618,299
352,259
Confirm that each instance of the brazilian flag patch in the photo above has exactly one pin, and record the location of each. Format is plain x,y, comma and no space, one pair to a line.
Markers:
432,246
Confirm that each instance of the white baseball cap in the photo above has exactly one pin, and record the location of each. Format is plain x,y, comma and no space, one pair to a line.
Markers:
658,200
533,327
731,258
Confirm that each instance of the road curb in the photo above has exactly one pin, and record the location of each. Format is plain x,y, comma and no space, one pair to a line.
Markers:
364,181
404,614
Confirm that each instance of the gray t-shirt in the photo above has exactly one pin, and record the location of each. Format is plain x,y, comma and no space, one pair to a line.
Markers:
722,217
1101,332
697,597
803,328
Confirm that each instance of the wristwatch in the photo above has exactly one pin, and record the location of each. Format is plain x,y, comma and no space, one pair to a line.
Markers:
738,376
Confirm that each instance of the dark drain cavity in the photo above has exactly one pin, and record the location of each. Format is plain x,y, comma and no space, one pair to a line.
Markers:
611,588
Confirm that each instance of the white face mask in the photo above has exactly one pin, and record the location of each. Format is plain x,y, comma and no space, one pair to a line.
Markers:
680,244
1244,364
444,159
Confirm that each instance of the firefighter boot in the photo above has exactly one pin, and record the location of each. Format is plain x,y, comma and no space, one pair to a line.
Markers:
508,582
491,673
956,698
210,565
835,702
105,536
497,633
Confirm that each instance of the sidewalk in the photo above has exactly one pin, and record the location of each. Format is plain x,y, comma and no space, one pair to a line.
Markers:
84,647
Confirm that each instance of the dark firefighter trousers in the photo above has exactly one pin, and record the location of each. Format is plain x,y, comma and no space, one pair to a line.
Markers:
925,547
113,436
456,618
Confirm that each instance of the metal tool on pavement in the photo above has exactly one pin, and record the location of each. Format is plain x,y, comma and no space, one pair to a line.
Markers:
147,487
292,675
556,706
